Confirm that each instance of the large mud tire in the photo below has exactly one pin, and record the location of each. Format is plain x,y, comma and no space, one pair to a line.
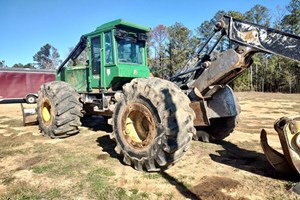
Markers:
58,109
152,124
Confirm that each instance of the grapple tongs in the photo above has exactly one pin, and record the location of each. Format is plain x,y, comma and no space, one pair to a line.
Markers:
288,129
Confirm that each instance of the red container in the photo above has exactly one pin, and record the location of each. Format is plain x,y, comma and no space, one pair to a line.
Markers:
18,83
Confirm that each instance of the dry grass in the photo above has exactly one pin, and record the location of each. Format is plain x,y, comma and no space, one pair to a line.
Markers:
85,166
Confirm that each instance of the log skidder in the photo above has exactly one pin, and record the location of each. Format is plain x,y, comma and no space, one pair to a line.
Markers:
58,109
152,123
152,118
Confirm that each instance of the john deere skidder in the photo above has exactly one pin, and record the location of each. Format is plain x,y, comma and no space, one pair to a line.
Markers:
153,119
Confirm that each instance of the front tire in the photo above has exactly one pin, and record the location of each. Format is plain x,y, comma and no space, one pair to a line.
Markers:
58,110
152,123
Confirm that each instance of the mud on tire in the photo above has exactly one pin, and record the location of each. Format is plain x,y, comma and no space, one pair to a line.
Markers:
58,110
153,124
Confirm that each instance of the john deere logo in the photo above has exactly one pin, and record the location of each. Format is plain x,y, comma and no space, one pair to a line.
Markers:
135,72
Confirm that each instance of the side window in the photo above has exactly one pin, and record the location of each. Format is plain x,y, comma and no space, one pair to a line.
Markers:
108,48
96,58
130,51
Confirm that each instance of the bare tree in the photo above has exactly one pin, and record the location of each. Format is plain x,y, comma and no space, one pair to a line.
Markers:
159,35
47,57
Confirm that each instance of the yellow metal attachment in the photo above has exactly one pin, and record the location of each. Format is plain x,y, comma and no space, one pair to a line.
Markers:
288,130
293,131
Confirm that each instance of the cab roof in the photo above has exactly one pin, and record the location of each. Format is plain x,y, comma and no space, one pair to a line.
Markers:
120,23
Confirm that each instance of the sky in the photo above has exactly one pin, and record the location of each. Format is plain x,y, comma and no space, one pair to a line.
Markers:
27,25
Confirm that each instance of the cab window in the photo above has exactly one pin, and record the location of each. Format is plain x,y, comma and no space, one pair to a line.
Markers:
96,58
130,50
108,48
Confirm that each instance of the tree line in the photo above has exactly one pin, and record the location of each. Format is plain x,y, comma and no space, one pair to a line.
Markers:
46,58
171,47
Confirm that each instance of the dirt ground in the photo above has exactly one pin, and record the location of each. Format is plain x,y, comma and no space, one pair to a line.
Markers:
85,166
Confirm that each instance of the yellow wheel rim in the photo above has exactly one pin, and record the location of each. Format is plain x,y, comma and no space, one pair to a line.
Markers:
139,126
46,112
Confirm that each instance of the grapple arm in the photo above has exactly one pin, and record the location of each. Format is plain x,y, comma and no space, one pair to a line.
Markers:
264,39
250,39
288,130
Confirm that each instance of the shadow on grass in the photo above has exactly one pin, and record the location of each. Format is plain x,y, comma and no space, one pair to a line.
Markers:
108,146
96,123
179,186
247,160
99,123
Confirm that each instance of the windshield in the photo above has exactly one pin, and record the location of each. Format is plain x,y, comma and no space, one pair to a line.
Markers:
130,50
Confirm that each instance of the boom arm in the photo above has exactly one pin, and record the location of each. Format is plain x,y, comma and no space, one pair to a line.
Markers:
251,38
74,53
264,39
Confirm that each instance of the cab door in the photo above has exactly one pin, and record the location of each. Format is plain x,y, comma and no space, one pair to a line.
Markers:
95,61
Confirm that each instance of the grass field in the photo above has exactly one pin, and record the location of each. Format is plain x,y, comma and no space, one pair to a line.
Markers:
86,166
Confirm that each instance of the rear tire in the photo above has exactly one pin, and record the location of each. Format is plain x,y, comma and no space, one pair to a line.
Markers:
58,110
152,123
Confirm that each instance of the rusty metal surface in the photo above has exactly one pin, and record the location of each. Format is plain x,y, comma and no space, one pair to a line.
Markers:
200,111
276,159
219,69
221,103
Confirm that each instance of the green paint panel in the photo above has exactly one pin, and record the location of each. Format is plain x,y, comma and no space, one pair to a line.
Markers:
77,76
124,71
